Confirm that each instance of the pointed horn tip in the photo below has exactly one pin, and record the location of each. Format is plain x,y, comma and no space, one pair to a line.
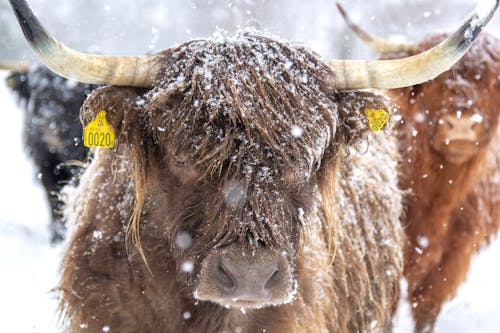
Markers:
486,8
82,67
343,12
481,15
365,36
341,8
443,56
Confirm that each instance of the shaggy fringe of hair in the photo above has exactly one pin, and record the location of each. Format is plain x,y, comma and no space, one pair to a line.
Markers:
260,89
133,234
327,188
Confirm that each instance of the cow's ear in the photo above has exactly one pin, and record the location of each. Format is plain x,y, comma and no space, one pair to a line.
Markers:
18,82
361,112
123,106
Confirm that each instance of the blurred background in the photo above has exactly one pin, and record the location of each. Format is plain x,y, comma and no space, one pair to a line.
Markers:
122,27
125,27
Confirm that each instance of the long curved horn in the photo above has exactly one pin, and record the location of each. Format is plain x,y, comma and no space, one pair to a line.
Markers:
422,67
377,44
135,71
15,66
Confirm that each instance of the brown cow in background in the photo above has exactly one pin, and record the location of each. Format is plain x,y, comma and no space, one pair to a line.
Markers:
449,142
236,178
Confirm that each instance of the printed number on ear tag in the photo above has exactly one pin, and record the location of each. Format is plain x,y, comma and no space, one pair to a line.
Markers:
99,133
377,118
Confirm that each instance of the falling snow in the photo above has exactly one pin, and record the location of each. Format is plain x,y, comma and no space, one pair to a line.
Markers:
187,266
183,240
419,117
423,241
477,118
297,131
23,231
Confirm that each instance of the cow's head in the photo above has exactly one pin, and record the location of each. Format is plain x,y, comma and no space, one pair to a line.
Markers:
235,136
236,143
458,109
461,105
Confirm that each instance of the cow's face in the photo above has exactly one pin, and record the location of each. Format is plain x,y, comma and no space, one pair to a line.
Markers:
459,109
457,113
234,145
460,128
240,231
467,117
459,135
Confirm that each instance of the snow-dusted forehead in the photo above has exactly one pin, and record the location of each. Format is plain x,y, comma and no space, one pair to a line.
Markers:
251,101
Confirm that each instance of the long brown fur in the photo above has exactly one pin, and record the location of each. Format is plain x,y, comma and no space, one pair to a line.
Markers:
220,119
452,210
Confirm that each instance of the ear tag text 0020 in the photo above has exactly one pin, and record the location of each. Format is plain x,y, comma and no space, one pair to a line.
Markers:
377,118
99,133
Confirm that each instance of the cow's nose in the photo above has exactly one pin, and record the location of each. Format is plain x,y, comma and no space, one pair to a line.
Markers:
249,280
460,129
245,279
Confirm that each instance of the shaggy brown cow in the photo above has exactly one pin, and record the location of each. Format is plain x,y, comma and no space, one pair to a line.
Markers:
449,142
235,176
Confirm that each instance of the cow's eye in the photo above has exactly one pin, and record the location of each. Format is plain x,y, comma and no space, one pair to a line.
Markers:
180,162
180,167
295,177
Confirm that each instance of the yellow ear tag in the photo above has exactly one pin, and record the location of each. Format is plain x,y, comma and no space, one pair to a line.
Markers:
99,133
377,118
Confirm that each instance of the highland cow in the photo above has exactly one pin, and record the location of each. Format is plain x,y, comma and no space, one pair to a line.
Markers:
52,132
448,139
236,183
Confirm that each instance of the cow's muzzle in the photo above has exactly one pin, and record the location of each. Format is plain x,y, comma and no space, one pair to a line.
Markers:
237,277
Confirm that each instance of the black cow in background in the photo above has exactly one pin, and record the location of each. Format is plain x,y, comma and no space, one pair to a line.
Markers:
52,131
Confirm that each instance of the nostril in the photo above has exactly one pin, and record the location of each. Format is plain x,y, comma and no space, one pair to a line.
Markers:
273,280
234,278
224,277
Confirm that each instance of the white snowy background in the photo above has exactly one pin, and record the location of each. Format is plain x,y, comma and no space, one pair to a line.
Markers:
29,265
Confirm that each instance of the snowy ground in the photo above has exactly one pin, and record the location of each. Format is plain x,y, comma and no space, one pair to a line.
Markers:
30,266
